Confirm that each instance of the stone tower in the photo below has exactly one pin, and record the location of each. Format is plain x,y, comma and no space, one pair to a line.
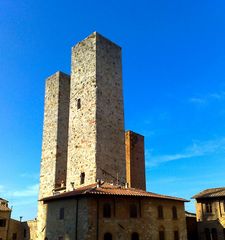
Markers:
96,123
55,140
135,160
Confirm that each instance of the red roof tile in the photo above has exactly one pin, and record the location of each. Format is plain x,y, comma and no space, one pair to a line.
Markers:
211,193
108,189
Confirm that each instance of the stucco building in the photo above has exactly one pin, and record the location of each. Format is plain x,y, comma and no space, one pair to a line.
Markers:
11,229
210,214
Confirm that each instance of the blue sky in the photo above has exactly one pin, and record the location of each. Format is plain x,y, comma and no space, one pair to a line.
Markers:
174,86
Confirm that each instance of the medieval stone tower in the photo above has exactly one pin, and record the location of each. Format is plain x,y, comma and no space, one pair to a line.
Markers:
83,134
96,122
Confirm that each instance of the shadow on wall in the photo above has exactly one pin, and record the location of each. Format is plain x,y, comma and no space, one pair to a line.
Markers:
211,230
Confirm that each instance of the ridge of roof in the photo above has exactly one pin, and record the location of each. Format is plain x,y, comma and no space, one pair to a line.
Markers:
211,193
109,189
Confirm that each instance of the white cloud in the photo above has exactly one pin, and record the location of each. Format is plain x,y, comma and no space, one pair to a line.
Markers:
197,149
29,191
216,96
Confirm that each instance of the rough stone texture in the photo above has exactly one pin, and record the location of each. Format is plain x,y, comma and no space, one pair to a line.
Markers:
135,160
92,225
55,139
215,219
96,129
75,222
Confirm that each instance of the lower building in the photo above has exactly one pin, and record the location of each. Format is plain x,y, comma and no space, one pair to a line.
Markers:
11,229
105,212
192,229
210,214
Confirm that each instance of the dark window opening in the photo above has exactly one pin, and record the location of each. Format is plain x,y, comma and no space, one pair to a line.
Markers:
82,178
2,222
207,234
176,235
106,210
108,236
174,211
161,235
61,213
24,233
14,236
160,212
78,103
135,236
208,207
133,211
214,234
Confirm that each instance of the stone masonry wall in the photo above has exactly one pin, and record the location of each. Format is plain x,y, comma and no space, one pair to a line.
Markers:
135,160
96,124
55,138
82,122
111,165
90,223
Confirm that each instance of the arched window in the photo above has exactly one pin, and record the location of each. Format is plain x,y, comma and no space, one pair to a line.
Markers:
174,212
176,235
160,212
106,210
108,236
133,211
207,234
208,207
161,233
214,234
134,236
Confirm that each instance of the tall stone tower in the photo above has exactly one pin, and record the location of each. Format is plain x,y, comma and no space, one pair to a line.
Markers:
55,141
135,160
96,123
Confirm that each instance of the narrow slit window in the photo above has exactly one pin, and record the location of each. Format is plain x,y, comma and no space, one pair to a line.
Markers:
61,213
82,178
106,210
78,103
174,212
160,212
133,211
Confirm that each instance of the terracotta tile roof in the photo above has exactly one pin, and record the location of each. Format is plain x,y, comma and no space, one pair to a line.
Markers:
108,189
211,193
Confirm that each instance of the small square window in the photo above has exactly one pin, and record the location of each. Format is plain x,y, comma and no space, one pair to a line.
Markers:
2,222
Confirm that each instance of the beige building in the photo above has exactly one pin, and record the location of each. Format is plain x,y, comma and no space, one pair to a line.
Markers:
210,214
11,229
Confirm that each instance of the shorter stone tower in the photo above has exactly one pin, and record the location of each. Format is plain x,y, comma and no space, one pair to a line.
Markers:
135,160
54,142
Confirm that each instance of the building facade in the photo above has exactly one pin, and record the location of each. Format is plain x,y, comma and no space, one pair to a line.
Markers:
11,229
106,211
210,214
